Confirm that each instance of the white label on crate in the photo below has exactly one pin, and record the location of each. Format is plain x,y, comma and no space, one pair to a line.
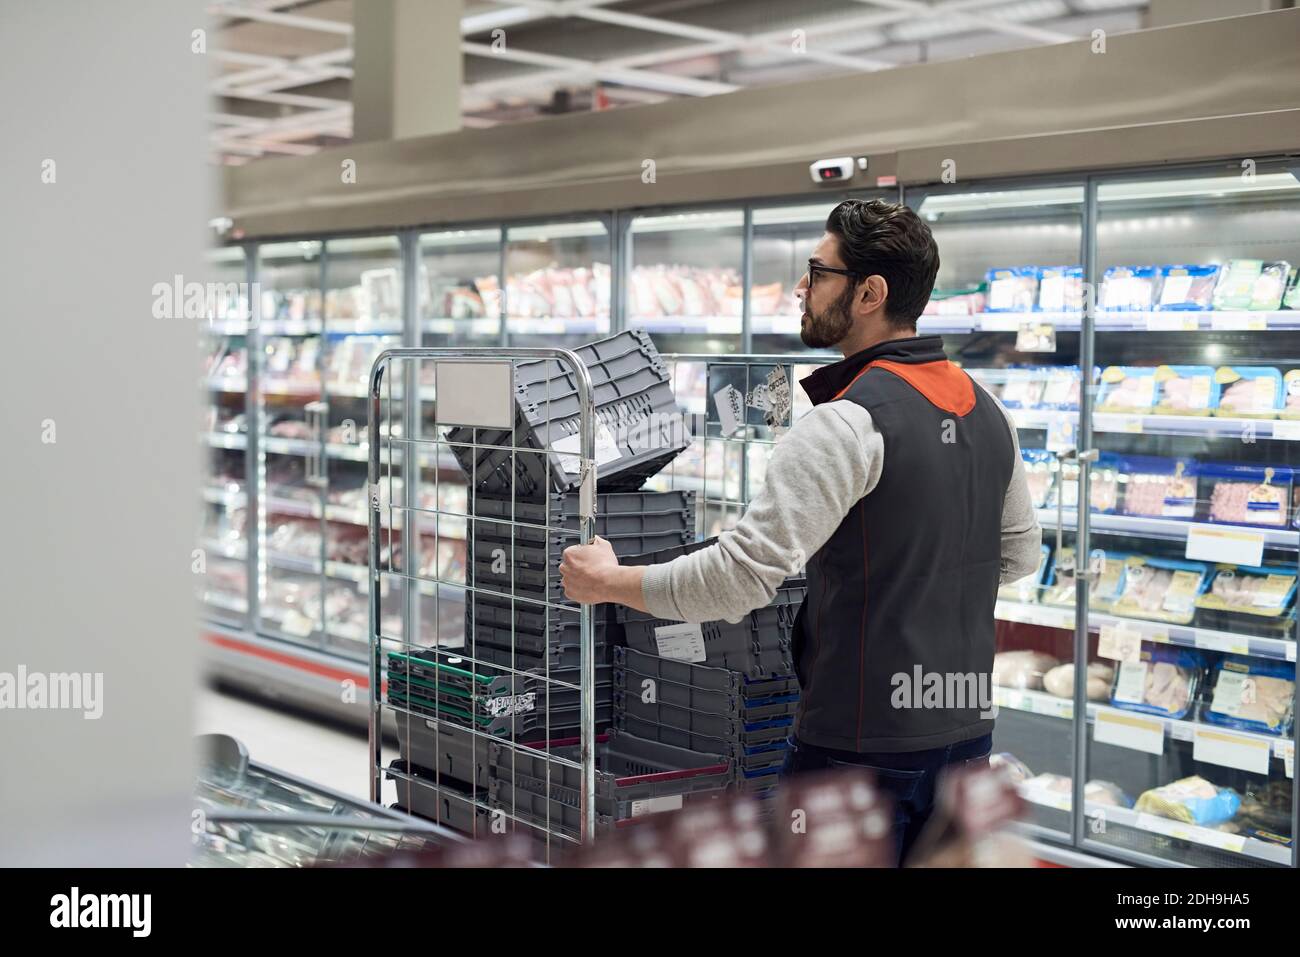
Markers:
506,705
1287,430
1120,643
684,642
569,449
778,398
672,802
1237,546
1129,730
1231,750
731,409
1132,681
474,393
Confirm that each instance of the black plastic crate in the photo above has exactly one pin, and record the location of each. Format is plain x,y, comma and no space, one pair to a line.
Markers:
557,657
440,801
635,409
692,698
451,750
618,514
739,735
530,719
729,727
703,677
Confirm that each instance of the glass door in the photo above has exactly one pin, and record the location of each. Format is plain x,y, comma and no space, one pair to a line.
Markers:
1007,303
223,577
291,426
1190,753
557,283
363,316
459,287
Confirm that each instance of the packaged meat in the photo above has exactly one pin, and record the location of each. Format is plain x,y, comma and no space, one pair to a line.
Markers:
1249,392
1022,669
1106,793
1164,681
1291,389
1236,286
1247,494
1185,288
1291,298
1161,589
1127,389
1265,811
1010,765
1192,800
1270,287
1023,388
1252,694
1061,388
1103,487
1040,473
1186,390
1060,289
955,303
1060,680
1109,569
1262,591
1128,288
1029,587
1058,791
1157,487
1012,290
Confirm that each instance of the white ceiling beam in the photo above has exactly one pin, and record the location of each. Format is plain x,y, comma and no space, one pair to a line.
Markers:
990,21
586,68
241,12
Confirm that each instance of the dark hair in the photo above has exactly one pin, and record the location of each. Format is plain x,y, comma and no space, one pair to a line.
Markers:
889,240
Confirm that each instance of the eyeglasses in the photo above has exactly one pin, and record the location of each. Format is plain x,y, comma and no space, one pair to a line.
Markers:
814,268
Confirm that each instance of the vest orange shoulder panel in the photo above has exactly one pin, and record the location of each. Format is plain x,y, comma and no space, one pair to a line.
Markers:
943,384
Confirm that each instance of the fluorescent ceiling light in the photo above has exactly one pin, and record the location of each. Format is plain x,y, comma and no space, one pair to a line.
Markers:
551,231
462,237
365,244
1196,186
300,250
491,19
1089,5
1001,199
718,219
1026,11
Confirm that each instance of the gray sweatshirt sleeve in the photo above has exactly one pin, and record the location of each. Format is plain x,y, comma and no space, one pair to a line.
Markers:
1022,539
828,460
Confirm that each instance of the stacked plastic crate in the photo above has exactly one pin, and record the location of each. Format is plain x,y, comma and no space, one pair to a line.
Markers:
714,687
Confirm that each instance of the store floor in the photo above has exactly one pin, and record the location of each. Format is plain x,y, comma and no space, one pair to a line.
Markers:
287,741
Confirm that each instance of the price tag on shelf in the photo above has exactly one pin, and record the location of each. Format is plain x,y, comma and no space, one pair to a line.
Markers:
1217,543
1230,750
1061,434
1127,730
1117,422
1000,323
1230,321
1286,751
1172,322
1120,643
1287,430
1036,337
1232,644
1190,832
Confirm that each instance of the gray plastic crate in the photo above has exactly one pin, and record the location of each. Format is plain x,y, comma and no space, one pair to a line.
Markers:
703,677
524,726
634,402
767,732
441,802
710,702
450,673
558,657
631,521
450,750
727,727
538,810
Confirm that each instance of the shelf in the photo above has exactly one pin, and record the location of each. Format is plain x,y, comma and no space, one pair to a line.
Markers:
363,327
1106,321
226,601
224,440
703,325
290,327
1127,817
1175,729
1169,529
355,573
236,551
293,563
1185,636
231,384
292,506
1205,426
305,390
573,325
476,326
221,496
277,445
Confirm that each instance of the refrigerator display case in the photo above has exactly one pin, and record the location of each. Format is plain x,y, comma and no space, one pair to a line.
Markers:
1081,301
223,576
989,318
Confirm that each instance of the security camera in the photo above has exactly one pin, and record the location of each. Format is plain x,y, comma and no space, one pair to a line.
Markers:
832,170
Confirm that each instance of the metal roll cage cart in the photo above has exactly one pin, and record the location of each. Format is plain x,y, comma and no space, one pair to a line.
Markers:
486,701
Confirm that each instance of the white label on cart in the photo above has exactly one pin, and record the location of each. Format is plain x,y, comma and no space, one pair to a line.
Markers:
1120,643
569,449
1230,750
1132,681
1237,546
474,393
1129,730
506,705
672,802
778,398
731,409
684,642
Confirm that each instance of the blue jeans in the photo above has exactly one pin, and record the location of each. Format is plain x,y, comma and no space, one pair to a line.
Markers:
909,777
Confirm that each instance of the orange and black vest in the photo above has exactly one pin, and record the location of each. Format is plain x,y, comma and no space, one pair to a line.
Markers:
906,584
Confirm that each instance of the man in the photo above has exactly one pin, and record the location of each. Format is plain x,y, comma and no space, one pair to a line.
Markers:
903,492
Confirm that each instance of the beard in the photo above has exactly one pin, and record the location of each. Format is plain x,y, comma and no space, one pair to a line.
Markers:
829,328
